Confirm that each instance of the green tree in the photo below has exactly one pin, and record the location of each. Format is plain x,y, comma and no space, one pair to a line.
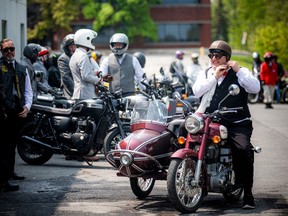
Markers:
264,21
46,17
130,17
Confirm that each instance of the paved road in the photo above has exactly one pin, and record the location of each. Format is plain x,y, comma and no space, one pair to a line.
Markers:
63,187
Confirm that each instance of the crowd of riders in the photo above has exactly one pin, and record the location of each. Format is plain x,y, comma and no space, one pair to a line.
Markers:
272,77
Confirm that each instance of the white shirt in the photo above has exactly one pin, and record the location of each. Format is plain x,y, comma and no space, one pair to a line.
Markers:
245,79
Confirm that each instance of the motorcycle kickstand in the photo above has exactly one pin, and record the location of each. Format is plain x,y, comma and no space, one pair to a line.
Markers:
90,164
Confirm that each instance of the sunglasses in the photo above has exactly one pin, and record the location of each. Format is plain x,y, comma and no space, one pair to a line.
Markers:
12,49
216,55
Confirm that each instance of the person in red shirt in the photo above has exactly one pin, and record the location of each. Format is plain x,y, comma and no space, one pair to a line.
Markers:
269,78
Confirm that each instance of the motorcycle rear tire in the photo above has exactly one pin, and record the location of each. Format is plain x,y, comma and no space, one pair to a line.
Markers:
142,187
285,95
253,98
32,154
185,197
113,138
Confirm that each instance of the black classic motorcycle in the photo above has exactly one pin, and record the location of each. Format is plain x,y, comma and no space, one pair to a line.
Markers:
80,130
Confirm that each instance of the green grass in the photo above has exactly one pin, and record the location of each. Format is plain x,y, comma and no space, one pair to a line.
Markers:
243,60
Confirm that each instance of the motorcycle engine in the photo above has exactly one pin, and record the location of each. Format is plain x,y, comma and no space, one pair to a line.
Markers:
219,168
219,176
82,138
81,141
211,153
78,134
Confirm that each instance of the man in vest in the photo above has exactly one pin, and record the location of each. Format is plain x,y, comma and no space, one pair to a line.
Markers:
123,67
16,99
212,85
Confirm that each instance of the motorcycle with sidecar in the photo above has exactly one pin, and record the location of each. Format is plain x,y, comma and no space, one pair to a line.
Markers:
144,155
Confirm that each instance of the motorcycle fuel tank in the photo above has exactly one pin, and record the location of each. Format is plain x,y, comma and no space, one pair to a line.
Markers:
89,107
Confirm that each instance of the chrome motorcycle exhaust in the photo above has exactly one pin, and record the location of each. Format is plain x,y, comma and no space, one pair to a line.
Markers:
34,141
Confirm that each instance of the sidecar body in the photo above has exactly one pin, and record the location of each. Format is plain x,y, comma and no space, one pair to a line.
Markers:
145,151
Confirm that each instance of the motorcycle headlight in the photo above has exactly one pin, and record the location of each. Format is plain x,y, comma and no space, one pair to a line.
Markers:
126,159
194,124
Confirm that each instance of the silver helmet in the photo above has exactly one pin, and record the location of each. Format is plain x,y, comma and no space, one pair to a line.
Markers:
119,38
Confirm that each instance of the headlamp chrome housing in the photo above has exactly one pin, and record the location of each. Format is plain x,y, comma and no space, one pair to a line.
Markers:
126,159
194,124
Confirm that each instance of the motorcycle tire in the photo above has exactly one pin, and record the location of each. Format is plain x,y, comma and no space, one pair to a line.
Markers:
285,95
142,187
113,138
33,154
253,98
185,197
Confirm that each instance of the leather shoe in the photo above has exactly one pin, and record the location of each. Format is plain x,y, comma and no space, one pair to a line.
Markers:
10,187
14,176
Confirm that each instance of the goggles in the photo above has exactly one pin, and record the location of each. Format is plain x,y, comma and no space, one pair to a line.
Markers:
216,55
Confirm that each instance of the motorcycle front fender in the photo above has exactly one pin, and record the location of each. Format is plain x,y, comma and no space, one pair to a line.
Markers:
184,153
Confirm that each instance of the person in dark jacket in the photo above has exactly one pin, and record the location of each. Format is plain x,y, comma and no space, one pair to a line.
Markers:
212,85
67,83
54,77
16,100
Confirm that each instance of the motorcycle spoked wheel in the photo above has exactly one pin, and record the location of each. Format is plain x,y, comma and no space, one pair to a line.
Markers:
142,187
33,154
113,138
185,197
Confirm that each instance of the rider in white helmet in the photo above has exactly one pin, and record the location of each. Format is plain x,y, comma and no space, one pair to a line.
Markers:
124,68
82,71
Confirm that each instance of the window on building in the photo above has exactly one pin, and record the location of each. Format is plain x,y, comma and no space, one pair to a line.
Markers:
178,32
4,29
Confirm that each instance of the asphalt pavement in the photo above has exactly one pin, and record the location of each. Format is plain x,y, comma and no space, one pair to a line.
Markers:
62,187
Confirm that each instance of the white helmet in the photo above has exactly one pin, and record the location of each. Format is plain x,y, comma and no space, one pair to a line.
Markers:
119,38
86,38
255,55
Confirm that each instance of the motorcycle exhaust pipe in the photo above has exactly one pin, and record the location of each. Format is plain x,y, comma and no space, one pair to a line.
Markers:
37,142
257,149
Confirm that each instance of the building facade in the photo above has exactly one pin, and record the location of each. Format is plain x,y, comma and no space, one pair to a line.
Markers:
180,24
13,15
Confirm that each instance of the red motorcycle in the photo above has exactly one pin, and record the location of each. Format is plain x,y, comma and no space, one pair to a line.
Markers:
205,163
144,155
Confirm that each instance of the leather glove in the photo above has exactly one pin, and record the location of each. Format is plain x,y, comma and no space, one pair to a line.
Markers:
108,78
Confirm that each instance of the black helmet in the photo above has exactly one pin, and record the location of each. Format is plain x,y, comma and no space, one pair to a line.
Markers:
67,41
141,58
31,51
220,46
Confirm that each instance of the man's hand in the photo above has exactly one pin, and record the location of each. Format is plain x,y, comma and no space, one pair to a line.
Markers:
108,78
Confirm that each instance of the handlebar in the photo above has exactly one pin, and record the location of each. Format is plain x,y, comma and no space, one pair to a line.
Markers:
225,110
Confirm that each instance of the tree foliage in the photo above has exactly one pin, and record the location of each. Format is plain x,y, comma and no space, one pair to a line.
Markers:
264,21
48,16
130,17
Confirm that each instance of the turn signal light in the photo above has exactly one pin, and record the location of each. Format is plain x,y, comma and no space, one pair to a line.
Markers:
181,140
216,139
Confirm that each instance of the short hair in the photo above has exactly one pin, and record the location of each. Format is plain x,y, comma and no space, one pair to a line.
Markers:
4,41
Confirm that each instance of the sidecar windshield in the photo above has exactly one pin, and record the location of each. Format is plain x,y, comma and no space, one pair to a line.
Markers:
153,110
